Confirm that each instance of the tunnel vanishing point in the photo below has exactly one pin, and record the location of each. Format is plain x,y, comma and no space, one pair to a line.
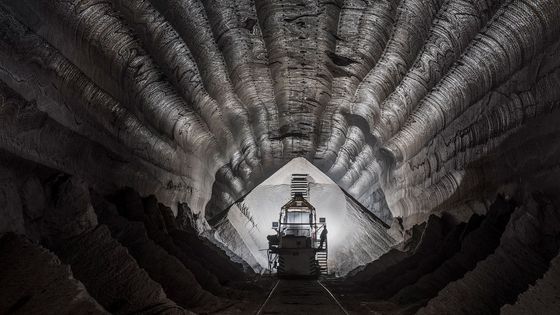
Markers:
141,142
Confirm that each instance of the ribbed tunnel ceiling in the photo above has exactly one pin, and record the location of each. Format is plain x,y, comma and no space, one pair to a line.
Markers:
403,102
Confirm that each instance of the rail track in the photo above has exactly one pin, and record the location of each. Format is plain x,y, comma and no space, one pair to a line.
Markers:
301,297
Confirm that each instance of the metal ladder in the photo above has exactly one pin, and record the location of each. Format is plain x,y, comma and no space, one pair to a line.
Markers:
322,256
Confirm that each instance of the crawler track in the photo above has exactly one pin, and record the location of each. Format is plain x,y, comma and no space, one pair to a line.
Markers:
301,297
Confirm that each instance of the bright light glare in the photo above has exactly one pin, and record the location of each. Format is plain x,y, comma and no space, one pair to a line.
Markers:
353,240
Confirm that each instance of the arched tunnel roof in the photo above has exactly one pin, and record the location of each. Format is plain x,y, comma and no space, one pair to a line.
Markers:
199,101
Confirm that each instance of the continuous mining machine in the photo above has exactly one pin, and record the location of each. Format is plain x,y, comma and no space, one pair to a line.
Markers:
299,248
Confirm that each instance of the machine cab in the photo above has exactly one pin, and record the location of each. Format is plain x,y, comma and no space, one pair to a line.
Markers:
297,218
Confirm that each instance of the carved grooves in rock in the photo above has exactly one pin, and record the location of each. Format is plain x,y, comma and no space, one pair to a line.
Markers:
217,95
520,259
478,266
454,94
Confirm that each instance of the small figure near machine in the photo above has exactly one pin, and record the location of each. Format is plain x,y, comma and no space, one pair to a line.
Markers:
323,236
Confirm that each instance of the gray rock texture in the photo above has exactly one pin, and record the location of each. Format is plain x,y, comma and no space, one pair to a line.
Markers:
422,111
34,281
541,298
472,268
529,242
110,272
394,101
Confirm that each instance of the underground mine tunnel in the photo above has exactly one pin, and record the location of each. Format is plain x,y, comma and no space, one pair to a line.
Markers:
152,153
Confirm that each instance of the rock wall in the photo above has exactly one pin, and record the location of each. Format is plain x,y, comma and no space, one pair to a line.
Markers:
113,254
474,267
419,107
198,102
35,281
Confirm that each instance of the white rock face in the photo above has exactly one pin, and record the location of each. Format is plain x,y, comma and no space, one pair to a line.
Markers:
354,237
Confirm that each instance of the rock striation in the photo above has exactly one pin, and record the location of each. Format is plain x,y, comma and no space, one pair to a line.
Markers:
477,267
198,102
422,111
